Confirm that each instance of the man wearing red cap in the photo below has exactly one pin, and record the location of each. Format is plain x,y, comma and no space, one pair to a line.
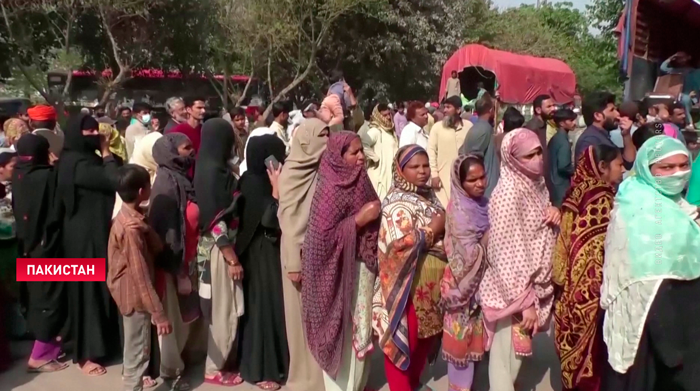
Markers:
42,120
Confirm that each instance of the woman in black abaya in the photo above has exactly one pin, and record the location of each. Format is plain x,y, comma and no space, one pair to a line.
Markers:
220,272
263,351
34,194
86,189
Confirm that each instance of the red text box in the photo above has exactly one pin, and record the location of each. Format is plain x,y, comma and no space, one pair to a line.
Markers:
61,269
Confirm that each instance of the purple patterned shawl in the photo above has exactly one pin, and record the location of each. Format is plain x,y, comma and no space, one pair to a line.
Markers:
331,247
467,222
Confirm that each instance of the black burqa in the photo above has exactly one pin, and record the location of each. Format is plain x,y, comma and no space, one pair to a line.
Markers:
214,182
668,353
34,195
263,349
166,214
86,192
214,185
170,193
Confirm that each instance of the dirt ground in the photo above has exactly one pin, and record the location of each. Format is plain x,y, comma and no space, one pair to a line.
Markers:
540,373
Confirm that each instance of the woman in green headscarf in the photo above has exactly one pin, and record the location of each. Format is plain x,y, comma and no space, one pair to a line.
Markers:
650,273
693,195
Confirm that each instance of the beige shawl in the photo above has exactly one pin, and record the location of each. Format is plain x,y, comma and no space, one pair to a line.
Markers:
143,156
297,185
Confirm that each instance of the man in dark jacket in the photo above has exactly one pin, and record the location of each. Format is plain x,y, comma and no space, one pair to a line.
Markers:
480,141
561,167
544,108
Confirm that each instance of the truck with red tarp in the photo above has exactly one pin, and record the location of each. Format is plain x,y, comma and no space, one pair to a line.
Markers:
514,79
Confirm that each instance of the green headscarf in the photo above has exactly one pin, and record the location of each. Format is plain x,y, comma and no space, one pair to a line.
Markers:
693,195
663,241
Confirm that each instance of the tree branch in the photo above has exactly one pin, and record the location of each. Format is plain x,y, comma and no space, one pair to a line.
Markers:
124,69
245,90
297,80
214,83
269,72
115,47
17,62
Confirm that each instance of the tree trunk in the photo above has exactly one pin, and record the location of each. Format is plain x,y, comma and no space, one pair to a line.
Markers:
225,97
124,74
269,75
214,83
301,77
245,90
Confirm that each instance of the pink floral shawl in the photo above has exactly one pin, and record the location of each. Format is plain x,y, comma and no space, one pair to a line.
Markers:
520,245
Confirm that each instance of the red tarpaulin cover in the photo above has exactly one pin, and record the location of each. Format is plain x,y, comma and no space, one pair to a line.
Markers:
520,78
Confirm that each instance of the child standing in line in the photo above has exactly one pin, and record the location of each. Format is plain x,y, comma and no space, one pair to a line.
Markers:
132,247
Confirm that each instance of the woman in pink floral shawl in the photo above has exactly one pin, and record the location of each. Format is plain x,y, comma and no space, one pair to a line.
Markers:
516,292
339,264
466,232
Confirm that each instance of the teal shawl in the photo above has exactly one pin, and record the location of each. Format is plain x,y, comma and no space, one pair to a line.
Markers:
693,195
663,240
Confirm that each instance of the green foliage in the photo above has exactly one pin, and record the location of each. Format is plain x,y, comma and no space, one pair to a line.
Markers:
388,49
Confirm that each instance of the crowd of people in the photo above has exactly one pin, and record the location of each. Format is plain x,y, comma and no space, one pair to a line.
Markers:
301,242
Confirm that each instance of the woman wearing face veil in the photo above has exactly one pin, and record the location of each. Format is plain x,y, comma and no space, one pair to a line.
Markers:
263,353
174,215
86,189
651,276
220,272
34,190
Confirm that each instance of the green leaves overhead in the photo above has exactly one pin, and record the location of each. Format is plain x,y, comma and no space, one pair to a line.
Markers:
390,49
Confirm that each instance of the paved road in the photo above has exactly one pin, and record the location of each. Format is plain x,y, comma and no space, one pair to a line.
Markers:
540,373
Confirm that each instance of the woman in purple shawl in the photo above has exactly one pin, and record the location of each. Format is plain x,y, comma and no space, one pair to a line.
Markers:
466,231
339,263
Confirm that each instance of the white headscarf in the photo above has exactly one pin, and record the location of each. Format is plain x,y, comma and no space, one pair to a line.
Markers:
296,117
255,133
143,154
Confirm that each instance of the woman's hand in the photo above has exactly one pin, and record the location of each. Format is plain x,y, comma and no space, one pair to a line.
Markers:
136,224
235,271
184,285
294,276
552,217
104,146
274,175
435,183
484,241
369,212
437,224
529,319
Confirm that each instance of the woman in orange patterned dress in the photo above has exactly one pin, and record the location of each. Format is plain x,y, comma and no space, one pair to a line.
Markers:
578,267
412,261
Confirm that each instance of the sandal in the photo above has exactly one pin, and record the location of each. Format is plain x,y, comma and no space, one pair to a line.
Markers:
49,366
268,386
178,384
149,382
224,379
92,369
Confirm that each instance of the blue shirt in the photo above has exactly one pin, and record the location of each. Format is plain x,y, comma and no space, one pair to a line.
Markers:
596,136
616,136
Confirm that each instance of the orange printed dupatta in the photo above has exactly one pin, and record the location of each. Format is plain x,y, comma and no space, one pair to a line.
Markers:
578,271
404,237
